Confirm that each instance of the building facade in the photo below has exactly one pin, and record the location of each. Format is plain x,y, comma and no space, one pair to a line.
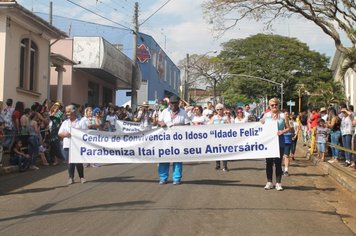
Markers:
25,54
160,76
347,79
97,70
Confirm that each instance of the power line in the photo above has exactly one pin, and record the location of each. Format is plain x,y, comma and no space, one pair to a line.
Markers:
87,9
155,11
82,21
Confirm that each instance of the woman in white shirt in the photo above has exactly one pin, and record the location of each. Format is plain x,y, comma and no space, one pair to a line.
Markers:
197,117
240,116
65,133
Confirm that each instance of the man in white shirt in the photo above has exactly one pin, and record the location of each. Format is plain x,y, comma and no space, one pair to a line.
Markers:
247,110
172,116
209,110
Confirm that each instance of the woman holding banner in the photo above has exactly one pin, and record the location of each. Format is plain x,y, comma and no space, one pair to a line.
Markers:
65,133
220,118
283,127
172,116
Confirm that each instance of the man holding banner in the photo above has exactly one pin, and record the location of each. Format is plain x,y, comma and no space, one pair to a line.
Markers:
172,116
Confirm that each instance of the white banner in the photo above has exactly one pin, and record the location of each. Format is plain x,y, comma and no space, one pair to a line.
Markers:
123,126
176,144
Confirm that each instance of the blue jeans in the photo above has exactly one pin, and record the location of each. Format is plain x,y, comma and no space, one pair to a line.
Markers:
72,166
33,148
163,171
346,142
335,139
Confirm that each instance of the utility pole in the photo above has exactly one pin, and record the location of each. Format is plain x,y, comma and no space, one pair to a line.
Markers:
134,74
186,80
50,12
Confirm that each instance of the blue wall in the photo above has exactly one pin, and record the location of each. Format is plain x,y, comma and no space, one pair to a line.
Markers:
162,74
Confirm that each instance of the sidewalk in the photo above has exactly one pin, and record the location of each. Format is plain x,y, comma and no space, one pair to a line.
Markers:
345,176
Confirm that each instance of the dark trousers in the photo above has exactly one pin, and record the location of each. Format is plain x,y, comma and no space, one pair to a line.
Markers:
55,150
278,165
72,166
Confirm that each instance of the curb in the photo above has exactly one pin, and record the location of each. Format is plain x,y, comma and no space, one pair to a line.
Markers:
8,169
345,177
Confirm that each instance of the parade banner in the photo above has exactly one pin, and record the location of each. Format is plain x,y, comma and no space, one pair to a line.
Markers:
176,144
123,126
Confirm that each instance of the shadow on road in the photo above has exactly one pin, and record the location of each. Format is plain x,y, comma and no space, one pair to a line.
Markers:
18,180
43,210
35,190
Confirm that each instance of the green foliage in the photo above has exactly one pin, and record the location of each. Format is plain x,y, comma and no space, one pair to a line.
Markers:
275,58
326,94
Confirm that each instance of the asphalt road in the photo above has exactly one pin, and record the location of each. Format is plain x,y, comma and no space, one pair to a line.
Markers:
125,199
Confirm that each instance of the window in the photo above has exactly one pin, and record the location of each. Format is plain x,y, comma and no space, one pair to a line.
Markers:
28,65
107,95
93,93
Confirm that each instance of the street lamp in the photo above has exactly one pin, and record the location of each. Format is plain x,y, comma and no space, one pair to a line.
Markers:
267,80
186,81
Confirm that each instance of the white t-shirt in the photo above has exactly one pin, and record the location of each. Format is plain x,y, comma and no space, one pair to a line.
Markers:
66,127
174,118
243,120
199,120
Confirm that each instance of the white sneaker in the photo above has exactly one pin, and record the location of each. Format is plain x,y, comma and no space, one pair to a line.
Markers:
82,180
33,167
70,181
279,187
269,185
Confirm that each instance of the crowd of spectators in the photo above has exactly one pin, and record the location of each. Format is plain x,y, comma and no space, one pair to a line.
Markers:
29,133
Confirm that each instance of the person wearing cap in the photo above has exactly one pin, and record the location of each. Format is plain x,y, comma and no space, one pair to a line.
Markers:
220,118
172,116
97,118
143,116
323,114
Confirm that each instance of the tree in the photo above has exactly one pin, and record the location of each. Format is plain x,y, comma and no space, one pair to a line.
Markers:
274,58
334,17
205,71
326,94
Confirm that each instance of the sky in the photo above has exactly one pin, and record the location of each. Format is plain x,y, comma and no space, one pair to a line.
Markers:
179,26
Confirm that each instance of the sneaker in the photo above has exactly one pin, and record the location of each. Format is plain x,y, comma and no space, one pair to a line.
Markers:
225,169
34,167
82,180
269,185
70,181
346,164
217,167
279,187
161,182
331,161
285,173
95,165
176,182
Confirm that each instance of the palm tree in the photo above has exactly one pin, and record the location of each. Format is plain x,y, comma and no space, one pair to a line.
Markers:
327,93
